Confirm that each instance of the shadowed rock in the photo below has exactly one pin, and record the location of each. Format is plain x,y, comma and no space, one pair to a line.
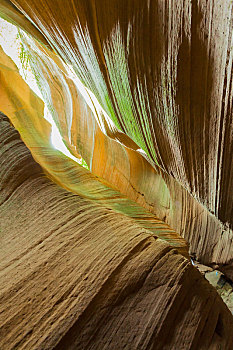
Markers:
76,275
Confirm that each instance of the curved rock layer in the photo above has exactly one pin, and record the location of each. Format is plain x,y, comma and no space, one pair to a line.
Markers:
26,111
75,274
163,73
117,162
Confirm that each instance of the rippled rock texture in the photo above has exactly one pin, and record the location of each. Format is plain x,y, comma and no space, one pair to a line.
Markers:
75,274
162,72
98,259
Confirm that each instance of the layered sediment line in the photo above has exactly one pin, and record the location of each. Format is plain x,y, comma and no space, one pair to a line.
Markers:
77,275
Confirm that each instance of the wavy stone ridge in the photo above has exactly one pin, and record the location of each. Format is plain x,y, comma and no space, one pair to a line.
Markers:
77,275
162,71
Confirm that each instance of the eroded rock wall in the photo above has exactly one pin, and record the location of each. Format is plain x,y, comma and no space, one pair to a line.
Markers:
76,275
163,73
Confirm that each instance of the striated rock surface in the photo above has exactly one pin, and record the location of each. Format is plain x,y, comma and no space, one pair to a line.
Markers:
95,264
162,72
75,274
26,111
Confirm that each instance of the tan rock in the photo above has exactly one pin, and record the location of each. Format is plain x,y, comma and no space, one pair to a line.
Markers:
77,275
